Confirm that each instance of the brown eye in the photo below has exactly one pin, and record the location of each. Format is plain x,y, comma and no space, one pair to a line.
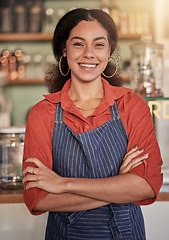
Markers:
99,44
78,44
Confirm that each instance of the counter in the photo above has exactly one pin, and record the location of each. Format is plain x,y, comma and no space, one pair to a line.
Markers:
11,196
16,196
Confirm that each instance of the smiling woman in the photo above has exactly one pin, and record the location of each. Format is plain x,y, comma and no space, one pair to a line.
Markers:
87,51
91,156
61,35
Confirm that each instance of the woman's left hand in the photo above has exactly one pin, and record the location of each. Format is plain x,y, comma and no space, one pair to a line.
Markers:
41,177
131,159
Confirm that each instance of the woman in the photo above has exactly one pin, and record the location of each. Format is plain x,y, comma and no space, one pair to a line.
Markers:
91,156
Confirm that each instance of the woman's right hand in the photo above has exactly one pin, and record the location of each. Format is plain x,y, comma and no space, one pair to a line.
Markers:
131,160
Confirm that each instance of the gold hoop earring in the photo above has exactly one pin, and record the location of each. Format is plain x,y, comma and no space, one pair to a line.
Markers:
60,67
114,71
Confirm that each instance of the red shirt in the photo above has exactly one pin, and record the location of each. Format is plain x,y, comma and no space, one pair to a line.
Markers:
134,113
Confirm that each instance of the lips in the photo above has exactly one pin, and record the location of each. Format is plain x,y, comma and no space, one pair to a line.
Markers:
88,65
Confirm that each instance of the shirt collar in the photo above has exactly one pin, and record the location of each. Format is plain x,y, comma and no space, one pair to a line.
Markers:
111,93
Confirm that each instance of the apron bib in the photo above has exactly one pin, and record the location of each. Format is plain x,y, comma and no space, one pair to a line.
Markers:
94,154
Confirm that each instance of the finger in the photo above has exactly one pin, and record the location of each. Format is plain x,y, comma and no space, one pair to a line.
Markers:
31,185
131,151
32,170
29,178
36,161
135,161
27,170
132,156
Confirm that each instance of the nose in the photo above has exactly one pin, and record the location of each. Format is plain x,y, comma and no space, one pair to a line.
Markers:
88,52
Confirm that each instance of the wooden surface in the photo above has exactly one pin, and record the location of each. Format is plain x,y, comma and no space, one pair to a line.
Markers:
46,36
16,196
27,81
25,37
163,196
11,196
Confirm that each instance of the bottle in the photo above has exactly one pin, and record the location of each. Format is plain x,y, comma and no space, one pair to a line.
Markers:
49,20
6,16
60,13
20,67
105,6
146,25
35,16
38,66
123,23
11,153
115,13
20,17
131,23
139,23
4,71
147,67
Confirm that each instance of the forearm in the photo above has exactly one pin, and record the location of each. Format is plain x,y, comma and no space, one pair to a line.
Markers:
123,188
67,203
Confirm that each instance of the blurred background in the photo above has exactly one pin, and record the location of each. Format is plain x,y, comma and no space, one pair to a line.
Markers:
26,29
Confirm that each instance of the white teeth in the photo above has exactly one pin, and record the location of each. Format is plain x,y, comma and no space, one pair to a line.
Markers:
88,65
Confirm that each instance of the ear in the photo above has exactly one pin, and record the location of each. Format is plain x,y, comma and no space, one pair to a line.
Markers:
64,53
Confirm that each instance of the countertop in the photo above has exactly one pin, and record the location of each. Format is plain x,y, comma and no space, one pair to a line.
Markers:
16,196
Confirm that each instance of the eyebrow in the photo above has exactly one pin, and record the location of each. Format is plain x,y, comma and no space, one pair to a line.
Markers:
96,39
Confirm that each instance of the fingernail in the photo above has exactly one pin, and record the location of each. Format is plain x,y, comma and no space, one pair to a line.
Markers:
146,155
141,149
136,146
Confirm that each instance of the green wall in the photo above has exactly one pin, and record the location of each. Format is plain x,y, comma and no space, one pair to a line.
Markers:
22,98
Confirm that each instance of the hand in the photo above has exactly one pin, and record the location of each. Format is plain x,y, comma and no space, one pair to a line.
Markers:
131,160
41,177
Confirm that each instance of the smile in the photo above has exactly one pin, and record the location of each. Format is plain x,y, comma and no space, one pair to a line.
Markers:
88,65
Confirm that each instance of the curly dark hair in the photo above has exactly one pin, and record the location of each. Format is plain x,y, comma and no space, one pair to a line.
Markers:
54,80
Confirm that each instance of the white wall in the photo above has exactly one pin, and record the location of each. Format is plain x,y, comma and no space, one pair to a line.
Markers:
157,221
17,223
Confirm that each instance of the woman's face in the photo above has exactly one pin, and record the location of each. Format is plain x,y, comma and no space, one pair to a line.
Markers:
87,51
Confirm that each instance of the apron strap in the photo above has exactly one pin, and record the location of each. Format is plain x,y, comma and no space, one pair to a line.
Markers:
58,113
114,111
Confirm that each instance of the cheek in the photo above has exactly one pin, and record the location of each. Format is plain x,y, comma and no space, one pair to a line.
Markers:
73,59
103,55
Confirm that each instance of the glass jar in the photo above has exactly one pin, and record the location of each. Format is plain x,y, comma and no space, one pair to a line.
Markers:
147,67
11,154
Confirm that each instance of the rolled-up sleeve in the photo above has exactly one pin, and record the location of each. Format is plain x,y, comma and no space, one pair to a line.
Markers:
37,144
139,126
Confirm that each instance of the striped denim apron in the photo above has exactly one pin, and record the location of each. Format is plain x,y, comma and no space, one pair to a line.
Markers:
94,154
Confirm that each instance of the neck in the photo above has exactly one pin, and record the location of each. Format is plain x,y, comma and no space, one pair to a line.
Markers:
85,91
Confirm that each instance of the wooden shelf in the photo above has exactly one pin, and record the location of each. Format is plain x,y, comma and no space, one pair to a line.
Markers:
26,81
129,36
26,37
45,36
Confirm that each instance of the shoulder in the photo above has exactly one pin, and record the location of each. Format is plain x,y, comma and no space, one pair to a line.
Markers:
132,100
133,109
47,105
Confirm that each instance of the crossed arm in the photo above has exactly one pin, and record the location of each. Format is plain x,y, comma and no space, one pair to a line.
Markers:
80,194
